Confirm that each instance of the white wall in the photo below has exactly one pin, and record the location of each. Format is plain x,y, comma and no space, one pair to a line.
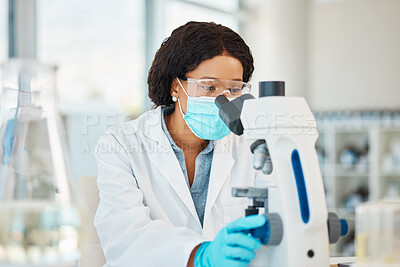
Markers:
84,126
275,30
354,54
339,54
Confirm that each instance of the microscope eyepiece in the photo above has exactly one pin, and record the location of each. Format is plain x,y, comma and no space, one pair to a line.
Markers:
220,100
271,88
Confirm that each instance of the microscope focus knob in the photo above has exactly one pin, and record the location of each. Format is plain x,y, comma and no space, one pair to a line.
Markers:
271,232
336,227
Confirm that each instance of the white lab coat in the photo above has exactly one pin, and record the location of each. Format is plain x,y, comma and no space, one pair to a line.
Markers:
146,215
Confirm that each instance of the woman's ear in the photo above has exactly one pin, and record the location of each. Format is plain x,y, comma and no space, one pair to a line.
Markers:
175,88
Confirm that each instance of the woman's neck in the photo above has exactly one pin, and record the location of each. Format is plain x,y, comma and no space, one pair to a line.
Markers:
182,135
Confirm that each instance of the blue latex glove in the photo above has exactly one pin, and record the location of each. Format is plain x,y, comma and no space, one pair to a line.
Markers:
233,246
8,141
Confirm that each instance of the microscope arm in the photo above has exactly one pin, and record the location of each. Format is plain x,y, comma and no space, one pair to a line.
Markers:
298,227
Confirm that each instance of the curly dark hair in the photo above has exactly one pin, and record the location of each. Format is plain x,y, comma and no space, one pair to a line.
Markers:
186,48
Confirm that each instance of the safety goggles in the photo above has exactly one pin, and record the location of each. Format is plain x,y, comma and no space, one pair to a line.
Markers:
215,87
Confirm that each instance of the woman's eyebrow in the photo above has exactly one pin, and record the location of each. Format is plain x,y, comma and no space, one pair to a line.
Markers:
208,77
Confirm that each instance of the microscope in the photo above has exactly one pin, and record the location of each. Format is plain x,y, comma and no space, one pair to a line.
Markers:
282,132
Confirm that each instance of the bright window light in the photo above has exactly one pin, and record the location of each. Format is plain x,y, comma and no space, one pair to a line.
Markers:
99,48
176,17
3,30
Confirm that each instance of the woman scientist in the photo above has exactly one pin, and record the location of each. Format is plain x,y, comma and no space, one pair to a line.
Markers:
165,178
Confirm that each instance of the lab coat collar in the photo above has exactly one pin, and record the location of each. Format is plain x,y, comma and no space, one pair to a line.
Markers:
157,143
150,123
220,170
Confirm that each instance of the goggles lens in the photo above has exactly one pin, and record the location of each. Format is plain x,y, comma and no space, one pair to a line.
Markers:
216,87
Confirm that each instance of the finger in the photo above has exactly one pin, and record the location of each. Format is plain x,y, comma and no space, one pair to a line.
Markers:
239,253
235,263
243,240
246,223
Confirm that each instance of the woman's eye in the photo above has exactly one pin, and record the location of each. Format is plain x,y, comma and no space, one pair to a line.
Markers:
209,88
235,90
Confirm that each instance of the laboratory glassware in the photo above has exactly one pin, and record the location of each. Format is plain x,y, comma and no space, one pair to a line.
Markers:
378,234
40,221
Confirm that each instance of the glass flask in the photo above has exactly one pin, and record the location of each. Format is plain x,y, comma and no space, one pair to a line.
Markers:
40,222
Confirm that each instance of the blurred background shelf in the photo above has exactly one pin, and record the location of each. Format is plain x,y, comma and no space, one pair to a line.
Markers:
360,161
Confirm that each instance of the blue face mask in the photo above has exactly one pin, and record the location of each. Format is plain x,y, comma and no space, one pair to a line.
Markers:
202,117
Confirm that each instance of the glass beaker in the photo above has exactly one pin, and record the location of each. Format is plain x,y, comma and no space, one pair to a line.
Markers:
40,222
378,233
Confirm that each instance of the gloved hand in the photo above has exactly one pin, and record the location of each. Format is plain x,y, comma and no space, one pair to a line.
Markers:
233,246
